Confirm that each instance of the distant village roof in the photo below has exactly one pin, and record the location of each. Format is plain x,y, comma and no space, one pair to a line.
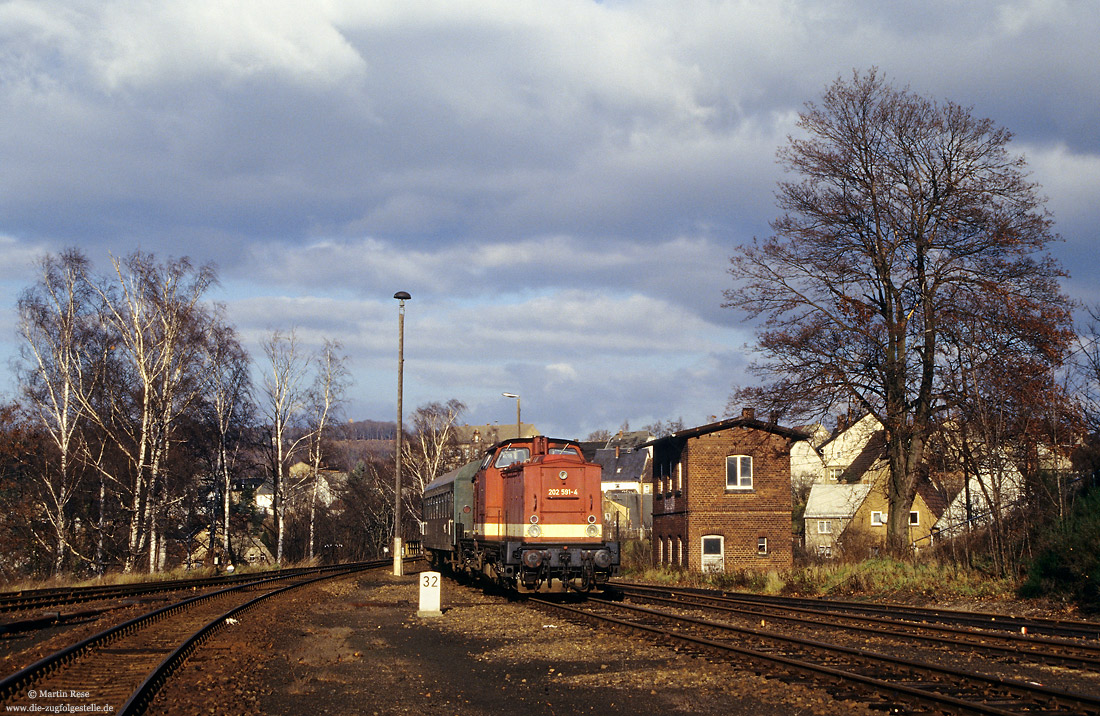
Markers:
872,452
632,439
621,465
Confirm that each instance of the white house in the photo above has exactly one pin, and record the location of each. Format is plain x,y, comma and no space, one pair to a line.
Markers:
828,511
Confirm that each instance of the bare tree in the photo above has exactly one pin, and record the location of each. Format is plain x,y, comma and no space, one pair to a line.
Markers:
227,387
151,313
908,217
285,399
329,384
54,318
430,450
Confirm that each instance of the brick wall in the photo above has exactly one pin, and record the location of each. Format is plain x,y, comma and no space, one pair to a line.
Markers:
705,507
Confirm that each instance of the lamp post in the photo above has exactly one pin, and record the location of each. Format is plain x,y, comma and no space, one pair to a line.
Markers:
398,564
518,424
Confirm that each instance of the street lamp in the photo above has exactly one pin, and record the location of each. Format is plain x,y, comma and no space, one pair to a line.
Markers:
398,565
518,424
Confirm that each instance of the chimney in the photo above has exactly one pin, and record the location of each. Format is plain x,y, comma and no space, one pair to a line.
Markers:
841,423
748,413
616,452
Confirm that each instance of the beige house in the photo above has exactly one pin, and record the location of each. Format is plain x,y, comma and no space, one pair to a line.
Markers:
851,519
847,509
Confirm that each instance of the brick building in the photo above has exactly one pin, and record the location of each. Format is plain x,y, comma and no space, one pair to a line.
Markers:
722,495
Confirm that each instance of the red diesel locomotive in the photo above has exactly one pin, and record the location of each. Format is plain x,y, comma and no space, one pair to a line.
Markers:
527,516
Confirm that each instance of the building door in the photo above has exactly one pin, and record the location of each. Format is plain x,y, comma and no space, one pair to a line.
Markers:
714,553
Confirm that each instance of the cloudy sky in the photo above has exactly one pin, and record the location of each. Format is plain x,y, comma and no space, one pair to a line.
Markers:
559,185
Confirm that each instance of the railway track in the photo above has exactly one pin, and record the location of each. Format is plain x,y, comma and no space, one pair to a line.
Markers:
28,599
992,639
897,683
894,612
122,667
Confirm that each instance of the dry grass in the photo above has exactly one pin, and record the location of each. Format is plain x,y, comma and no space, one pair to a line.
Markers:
881,578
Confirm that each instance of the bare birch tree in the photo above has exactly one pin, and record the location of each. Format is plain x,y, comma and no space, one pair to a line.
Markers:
330,382
227,387
284,402
152,313
429,451
54,318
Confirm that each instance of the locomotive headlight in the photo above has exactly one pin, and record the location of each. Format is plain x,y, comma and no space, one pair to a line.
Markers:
563,474
534,519
592,530
533,531
592,519
603,559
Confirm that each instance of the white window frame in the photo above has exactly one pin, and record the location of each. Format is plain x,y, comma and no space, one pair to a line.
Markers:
878,519
824,527
740,480
707,561
835,473
914,518
762,546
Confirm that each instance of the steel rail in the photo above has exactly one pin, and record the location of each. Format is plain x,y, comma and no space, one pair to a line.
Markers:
998,622
143,696
21,679
1036,648
34,598
1082,702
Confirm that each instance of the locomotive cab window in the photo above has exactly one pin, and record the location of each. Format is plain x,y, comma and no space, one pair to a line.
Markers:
563,451
739,472
510,456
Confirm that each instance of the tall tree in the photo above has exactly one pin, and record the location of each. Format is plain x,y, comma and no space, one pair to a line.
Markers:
329,384
284,403
153,322
227,387
430,450
55,316
907,217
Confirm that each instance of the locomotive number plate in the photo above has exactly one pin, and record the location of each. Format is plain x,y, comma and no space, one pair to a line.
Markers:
562,492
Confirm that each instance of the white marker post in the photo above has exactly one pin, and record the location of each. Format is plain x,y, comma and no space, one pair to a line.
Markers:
430,587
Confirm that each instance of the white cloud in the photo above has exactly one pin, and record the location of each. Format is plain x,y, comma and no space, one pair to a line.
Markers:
558,185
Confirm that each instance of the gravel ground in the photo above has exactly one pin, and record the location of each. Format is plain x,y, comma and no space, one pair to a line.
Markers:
357,646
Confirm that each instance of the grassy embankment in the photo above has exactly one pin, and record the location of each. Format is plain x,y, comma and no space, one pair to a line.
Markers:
880,578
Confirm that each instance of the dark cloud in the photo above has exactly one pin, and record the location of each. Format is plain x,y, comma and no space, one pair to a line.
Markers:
559,186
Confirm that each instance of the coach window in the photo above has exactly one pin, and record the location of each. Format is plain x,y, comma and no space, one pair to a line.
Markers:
739,472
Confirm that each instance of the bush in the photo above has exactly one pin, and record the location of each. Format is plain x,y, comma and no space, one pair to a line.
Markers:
1068,564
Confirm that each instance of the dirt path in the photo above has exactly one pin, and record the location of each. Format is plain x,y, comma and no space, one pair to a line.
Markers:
358,647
